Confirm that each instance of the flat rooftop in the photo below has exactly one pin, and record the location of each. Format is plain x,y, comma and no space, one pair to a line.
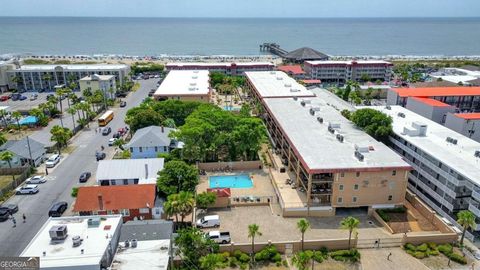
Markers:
216,64
71,67
63,254
320,150
348,62
148,255
185,83
332,100
459,157
142,168
276,84
468,116
97,77
438,91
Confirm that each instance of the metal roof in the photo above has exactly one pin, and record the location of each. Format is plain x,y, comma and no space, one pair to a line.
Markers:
151,136
142,169
306,53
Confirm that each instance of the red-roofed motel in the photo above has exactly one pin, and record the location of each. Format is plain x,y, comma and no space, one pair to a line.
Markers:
225,68
294,71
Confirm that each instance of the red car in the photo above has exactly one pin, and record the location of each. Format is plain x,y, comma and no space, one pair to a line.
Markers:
4,98
122,131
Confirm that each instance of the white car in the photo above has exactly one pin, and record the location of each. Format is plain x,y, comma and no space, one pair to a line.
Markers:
52,161
27,189
37,179
111,141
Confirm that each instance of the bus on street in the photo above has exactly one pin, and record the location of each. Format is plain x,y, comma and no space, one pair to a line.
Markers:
105,118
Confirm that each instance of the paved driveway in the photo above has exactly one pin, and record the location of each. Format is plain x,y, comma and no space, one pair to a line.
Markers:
61,180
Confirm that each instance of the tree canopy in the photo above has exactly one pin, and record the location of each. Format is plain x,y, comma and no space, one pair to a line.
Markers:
177,176
192,245
375,123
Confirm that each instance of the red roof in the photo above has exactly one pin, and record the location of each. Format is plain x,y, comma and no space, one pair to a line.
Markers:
311,81
431,102
221,192
293,69
438,91
468,116
115,197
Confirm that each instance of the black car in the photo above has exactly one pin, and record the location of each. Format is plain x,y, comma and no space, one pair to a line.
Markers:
100,155
121,94
116,135
11,208
84,177
106,131
123,104
4,214
57,209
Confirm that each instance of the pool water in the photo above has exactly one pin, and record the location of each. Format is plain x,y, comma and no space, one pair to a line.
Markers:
231,108
231,181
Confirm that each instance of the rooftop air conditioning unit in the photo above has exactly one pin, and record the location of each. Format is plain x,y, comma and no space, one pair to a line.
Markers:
359,156
194,77
191,88
477,154
193,84
340,138
388,107
76,241
314,109
334,125
294,90
279,78
305,102
93,222
195,71
134,243
58,232
288,85
400,114
331,130
295,98
320,120
272,72
454,141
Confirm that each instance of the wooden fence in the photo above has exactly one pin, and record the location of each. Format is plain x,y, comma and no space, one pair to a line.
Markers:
24,174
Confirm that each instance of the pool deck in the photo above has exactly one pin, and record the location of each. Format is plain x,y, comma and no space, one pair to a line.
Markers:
261,184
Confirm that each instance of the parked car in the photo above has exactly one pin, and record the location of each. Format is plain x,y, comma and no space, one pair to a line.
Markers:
4,215
112,141
209,221
52,161
106,131
122,131
157,76
37,179
121,94
123,104
27,189
33,96
100,155
22,97
151,92
15,97
57,209
4,98
11,208
84,177
219,237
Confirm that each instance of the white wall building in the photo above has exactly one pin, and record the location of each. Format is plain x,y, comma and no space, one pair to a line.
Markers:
238,68
467,124
128,171
191,85
99,82
446,164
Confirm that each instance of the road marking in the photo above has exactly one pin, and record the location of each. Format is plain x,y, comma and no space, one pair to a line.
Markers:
50,178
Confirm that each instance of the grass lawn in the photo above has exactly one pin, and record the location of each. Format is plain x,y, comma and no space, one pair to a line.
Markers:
5,180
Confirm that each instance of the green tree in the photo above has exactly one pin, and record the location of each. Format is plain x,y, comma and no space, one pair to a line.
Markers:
48,77
303,225
8,156
177,176
17,117
3,115
365,77
40,115
144,118
169,122
350,224
72,111
205,199
253,231
301,260
61,136
346,113
126,154
192,245
375,123
467,220
246,110
119,143
3,139
211,262
186,204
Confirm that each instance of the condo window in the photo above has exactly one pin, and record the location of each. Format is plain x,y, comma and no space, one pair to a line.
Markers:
394,172
355,187
156,149
358,174
340,187
339,200
342,174
140,149
354,199
390,197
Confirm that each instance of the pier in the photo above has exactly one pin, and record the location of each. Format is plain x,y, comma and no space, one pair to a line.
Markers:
273,48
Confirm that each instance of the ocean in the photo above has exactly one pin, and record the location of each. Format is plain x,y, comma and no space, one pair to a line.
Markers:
192,36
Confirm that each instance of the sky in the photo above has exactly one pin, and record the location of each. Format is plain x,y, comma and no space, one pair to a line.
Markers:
242,8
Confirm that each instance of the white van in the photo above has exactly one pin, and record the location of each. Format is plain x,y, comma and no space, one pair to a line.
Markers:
52,161
209,221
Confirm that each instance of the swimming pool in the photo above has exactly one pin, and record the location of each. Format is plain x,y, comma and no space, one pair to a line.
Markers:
231,181
231,108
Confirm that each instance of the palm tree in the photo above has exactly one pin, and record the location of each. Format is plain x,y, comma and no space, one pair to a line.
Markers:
253,230
171,206
303,226
47,77
17,117
17,80
60,135
3,113
72,110
301,259
350,224
467,220
3,139
186,203
119,143
8,156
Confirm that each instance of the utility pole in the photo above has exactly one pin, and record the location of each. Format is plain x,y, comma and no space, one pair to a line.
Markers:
30,153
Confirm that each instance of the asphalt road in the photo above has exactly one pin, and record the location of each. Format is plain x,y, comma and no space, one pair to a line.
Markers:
62,178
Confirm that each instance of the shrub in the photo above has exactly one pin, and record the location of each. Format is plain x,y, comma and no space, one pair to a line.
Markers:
285,263
324,251
278,264
423,247
346,255
233,262
225,255
419,254
237,254
244,258
432,245
457,258
445,249
383,215
243,266
410,247
277,258
318,256
433,252
74,192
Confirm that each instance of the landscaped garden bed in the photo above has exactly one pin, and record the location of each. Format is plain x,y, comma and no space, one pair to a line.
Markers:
437,256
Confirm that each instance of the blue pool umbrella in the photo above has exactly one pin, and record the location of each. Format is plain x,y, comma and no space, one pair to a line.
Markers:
29,120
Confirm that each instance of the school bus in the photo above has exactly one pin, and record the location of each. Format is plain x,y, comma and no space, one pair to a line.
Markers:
105,118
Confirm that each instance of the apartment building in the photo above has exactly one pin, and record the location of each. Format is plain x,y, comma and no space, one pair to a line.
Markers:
46,77
238,68
190,85
446,164
342,71
105,83
467,124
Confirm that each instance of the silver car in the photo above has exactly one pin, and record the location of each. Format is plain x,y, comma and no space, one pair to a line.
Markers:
37,179
27,189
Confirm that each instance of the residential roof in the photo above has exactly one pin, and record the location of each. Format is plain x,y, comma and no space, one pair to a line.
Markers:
216,64
311,81
148,255
151,136
433,83
72,67
459,157
20,147
96,77
348,62
184,83
438,91
468,116
144,169
115,197
305,53
62,254
294,69
431,102
142,230
221,192
319,150
276,84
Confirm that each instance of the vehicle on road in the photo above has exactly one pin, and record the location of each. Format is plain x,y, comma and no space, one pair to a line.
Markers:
22,97
15,96
27,189
84,177
122,131
219,237
106,131
52,161
209,221
105,118
121,94
157,76
151,92
111,141
100,155
37,179
123,104
57,209
11,208
4,98
33,96
4,215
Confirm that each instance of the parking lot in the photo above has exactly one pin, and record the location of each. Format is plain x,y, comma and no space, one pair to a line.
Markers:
29,103
277,228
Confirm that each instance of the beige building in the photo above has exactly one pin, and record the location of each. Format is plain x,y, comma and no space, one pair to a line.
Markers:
187,85
105,83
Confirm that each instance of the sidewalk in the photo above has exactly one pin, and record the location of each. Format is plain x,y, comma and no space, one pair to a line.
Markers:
376,259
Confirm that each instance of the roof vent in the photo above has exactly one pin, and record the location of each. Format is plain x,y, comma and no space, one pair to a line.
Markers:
340,138
191,88
400,114
193,83
295,98
294,90
288,85
194,77
279,78
313,110
477,154
304,102
195,71
320,120
272,72
359,156
127,243
77,241
134,243
388,107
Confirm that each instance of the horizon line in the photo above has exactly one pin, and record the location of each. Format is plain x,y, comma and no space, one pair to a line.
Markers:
205,17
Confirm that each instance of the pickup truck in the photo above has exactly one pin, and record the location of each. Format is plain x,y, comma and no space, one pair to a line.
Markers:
219,237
